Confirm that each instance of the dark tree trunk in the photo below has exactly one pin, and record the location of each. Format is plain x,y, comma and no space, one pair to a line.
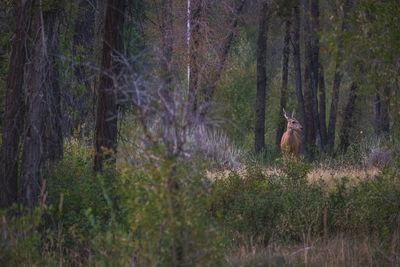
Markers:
14,109
297,67
311,25
259,140
81,99
348,119
336,82
386,111
334,104
322,107
315,69
194,59
308,78
381,112
43,137
107,106
377,113
53,138
284,88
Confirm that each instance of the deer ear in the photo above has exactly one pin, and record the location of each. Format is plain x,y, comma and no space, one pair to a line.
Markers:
285,114
293,113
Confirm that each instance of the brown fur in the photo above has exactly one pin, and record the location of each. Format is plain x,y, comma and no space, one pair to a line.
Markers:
291,140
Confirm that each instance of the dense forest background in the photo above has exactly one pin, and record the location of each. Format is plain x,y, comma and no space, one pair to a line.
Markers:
148,132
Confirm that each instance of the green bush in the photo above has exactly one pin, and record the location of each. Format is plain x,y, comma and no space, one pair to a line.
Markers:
167,215
21,242
287,207
76,191
282,206
302,203
371,207
245,204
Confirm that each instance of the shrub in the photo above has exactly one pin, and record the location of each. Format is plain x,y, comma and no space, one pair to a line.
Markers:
21,242
282,206
167,222
371,207
245,204
75,191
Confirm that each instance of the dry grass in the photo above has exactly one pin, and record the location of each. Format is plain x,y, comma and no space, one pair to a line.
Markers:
328,175
336,251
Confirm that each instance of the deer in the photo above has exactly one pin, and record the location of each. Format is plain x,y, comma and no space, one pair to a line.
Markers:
291,140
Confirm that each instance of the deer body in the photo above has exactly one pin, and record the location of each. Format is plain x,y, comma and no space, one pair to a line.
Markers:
291,140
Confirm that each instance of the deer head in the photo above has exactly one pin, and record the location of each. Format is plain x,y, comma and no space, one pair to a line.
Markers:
293,124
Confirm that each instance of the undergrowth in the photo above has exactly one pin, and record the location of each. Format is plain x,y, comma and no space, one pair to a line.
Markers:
165,212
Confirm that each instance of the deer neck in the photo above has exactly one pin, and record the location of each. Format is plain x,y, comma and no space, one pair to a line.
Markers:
292,132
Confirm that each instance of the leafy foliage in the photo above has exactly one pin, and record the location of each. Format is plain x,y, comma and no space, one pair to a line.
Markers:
286,207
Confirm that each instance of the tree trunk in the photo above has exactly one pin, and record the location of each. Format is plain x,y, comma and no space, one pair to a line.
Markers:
315,69
83,46
284,88
335,103
381,111
308,79
377,113
107,109
14,109
311,24
43,137
385,112
347,119
297,67
322,108
259,140
336,84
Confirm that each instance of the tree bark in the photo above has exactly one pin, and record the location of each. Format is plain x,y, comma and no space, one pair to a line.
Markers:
347,119
284,88
381,111
386,111
308,79
83,46
377,113
14,109
297,67
311,24
334,103
322,108
336,83
315,69
43,137
259,139
107,106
